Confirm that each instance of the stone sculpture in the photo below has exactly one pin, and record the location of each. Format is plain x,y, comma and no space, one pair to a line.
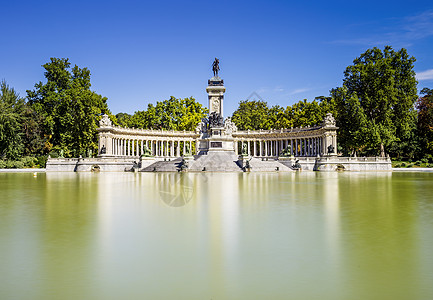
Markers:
296,165
187,150
286,152
146,151
105,121
215,120
329,120
215,67
244,149
229,126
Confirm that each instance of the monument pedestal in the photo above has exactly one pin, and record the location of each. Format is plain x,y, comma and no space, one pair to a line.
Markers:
218,141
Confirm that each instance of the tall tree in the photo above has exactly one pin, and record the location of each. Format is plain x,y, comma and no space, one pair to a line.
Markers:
380,87
11,118
69,108
425,118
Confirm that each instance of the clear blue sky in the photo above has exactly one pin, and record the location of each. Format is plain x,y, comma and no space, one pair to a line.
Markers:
141,52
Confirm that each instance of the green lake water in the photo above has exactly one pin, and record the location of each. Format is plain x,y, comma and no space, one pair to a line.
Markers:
307,235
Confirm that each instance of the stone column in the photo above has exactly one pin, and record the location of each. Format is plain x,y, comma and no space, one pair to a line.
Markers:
291,147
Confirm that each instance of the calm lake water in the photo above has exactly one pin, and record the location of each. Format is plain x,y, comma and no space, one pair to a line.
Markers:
305,235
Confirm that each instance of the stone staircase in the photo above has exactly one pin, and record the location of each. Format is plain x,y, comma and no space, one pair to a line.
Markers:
163,166
215,162
218,162
258,165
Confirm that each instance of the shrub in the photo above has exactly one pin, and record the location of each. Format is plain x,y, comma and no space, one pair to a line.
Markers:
403,165
42,161
2,164
417,163
424,160
29,161
14,164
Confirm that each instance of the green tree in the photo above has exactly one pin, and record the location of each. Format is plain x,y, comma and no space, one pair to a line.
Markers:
277,118
425,119
252,115
11,119
171,114
124,119
380,88
70,110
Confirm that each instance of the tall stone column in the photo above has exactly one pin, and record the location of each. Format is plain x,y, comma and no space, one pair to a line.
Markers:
216,90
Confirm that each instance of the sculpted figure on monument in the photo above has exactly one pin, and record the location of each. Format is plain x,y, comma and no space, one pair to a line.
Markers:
215,67
229,126
245,149
286,152
202,126
329,120
330,149
146,151
215,120
105,121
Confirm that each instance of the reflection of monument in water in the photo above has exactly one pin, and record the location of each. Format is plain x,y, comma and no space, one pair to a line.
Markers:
217,145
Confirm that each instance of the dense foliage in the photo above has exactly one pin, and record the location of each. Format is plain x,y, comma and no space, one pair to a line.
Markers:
171,114
425,119
68,108
257,115
375,105
12,107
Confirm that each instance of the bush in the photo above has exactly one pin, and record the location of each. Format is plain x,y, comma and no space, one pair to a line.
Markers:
424,160
24,162
14,164
29,161
417,163
42,161
403,165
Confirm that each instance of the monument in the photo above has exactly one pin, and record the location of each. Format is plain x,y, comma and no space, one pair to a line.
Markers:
216,145
215,133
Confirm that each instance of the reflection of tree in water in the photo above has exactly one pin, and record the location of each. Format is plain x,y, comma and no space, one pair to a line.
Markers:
176,190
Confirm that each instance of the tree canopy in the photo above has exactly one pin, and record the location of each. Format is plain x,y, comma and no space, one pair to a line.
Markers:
171,114
375,105
11,118
425,118
69,109
255,114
